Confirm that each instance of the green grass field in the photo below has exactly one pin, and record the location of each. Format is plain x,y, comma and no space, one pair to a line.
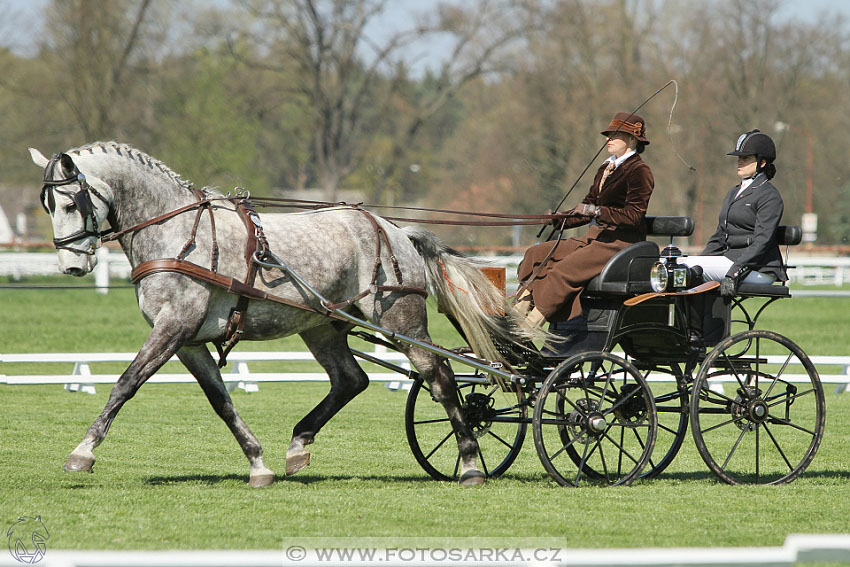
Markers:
171,476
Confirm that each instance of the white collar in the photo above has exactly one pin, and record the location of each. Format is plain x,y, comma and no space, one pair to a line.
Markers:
745,183
619,160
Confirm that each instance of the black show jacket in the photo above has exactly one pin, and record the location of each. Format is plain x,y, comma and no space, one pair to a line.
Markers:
746,231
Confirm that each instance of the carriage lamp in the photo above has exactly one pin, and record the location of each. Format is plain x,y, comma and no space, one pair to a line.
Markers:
658,276
667,273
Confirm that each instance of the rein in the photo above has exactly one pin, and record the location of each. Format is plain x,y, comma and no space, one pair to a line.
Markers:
518,219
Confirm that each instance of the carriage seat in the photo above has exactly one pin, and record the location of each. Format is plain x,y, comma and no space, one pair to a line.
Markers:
627,272
787,235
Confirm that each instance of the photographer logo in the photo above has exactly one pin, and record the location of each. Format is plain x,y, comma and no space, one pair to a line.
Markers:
28,539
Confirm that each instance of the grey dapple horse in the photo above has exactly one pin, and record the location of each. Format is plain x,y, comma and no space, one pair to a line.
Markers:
332,249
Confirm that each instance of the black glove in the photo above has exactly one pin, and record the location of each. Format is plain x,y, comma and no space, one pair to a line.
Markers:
728,287
557,218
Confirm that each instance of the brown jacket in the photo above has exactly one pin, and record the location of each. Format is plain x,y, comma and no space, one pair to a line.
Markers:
623,201
624,198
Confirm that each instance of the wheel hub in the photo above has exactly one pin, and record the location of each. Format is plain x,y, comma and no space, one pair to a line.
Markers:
749,409
584,421
758,411
479,413
596,424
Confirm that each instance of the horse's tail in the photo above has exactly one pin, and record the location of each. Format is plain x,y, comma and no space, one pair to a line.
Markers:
466,294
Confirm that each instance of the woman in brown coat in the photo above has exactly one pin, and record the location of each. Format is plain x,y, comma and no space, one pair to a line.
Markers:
553,274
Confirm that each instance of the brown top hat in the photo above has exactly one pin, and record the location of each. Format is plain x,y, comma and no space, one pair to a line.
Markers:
630,124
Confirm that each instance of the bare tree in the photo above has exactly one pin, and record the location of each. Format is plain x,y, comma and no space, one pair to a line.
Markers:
94,50
351,80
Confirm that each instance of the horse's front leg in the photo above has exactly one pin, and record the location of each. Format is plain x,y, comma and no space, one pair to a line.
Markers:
161,344
203,367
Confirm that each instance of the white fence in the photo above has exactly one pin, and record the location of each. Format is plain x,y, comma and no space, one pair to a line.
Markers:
834,370
81,378
808,270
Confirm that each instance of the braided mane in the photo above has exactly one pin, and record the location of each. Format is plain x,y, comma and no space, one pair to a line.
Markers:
136,156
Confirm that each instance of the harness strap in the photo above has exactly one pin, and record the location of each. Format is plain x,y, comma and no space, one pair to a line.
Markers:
257,247
156,220
256,244
205,205
374,288
232,285
379,289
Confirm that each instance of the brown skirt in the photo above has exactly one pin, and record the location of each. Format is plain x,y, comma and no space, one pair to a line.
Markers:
557,285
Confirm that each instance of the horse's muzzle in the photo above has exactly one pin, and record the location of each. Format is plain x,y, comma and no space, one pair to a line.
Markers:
76,263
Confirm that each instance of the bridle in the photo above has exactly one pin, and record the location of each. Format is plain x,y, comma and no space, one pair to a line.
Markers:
82,201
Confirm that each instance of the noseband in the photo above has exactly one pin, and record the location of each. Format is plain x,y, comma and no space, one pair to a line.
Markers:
82,202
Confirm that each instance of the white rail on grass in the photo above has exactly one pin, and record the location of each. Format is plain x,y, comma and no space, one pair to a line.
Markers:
832,370
81,378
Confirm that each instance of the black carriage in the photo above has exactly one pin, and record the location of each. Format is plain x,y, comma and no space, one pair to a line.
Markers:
614,401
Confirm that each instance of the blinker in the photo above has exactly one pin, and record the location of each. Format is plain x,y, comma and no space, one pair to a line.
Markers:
81,199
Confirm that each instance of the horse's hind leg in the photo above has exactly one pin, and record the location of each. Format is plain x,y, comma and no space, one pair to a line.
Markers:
441,381
160,345
330,349
407,316
201,364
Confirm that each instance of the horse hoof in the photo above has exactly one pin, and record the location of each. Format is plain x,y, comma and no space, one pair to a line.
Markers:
79,463
472,477
296,462
260,480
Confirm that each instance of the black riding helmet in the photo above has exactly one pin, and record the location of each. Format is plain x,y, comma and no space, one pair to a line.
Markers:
759,144
755,143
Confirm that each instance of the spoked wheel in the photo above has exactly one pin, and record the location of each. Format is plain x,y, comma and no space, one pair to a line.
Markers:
672,403
498,419
756,419
594,420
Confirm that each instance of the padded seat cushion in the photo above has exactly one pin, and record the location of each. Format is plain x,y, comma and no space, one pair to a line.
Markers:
763,290
627,272
669,226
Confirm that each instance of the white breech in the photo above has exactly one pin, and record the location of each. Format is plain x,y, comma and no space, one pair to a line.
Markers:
714,268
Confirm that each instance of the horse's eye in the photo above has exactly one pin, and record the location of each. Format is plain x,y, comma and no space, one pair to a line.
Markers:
70,207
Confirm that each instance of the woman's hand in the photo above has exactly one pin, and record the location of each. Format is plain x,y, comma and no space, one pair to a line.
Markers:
587,210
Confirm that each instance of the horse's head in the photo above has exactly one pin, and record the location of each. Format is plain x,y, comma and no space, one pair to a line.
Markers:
67,196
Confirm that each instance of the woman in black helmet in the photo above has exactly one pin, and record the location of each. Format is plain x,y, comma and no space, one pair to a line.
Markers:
744,246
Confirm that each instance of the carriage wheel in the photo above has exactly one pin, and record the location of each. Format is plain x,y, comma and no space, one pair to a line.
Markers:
498,420
755,418
594,420
672,404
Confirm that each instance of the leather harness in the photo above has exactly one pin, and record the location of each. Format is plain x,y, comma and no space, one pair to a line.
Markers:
256,248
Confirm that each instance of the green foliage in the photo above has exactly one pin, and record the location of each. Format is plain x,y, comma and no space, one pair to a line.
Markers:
214,142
